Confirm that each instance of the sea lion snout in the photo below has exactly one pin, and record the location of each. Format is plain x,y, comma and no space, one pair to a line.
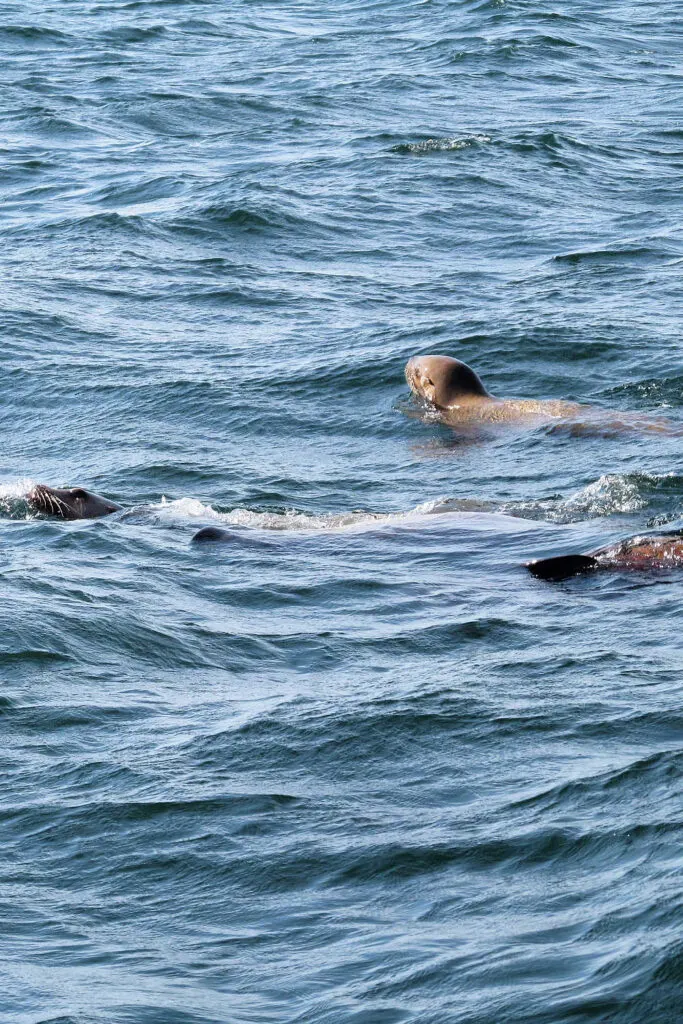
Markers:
46,499
419,381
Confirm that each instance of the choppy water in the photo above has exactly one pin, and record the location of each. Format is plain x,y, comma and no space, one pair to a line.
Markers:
358,766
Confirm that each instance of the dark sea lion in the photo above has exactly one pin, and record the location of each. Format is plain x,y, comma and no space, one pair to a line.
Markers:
70,503
209,534
457,393
215,535
647,551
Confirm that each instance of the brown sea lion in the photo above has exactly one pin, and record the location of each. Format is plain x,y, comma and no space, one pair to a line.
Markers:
457,394
70,503
647,551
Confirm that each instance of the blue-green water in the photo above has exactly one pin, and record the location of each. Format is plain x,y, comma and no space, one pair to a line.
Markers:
356,766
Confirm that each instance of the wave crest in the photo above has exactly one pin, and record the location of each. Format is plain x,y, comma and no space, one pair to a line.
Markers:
443,145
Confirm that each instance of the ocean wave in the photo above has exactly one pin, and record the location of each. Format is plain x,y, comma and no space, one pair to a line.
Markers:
660,392
609,495
149,192
46,122
190,508
444,145
34,35
625,783
240,218
132,34
95,226
540,43
474,513
627,253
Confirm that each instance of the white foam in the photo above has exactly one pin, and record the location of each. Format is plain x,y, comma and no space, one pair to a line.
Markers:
185,508
191,508
447,144
608,494
291,520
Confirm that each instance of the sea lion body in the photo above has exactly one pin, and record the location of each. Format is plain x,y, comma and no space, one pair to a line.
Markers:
70,502
238,538
457,394
508,410
645,551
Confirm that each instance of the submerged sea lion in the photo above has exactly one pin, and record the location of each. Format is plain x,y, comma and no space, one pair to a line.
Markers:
456,392
70,503
647,551
214,534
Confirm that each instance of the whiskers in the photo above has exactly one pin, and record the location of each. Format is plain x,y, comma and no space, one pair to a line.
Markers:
43,499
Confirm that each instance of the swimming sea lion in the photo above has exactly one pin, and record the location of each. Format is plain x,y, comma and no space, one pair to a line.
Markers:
646,551
456,392
70,503
214,534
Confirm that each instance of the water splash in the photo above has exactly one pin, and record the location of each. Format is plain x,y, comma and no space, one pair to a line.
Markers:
182,509
611,494
13,498
608,495
445,145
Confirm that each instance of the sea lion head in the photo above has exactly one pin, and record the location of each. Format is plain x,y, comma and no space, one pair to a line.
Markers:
442,381
70,502
212,533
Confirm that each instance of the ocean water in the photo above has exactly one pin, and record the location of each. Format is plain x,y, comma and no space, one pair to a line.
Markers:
355,766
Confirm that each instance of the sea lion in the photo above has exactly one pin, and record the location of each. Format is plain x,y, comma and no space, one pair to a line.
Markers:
209,534
70,503
645,551
214,534
457,393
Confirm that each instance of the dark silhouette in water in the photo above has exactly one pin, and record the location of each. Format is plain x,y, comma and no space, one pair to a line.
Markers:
209,534
214,534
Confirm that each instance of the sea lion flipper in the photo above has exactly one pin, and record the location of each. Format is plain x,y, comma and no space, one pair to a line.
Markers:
561,567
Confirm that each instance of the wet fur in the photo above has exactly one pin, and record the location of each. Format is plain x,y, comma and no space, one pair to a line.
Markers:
70,503
643,552
456,393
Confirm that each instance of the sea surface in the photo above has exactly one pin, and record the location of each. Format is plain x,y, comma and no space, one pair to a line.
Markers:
355,766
